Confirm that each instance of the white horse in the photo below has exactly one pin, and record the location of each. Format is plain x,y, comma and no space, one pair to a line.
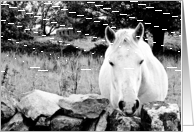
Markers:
130,74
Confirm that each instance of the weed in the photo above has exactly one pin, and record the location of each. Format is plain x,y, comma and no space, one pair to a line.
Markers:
75,69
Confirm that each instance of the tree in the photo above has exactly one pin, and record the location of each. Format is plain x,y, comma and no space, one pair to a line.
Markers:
18,18
131,9
51,14
160,17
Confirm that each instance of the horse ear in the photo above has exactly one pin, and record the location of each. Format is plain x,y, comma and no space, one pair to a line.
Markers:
109,34
139,32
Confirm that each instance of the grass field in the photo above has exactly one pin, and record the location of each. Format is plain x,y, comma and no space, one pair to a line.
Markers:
65,75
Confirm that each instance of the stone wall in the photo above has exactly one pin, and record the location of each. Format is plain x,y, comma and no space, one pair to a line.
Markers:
68,32
41,110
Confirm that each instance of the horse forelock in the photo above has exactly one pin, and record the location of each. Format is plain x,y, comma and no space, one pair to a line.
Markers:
121,35
124,34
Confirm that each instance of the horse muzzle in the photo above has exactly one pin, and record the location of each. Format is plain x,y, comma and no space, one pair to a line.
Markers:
128,111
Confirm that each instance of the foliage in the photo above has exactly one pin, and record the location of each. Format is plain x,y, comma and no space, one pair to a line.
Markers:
75,6
51,14
15,20
41,48
46,12
158,17
60,13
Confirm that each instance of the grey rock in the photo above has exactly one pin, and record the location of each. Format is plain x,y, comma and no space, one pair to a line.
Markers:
84,106
119,122
136,124
65,123
39,103
15,124
160,116
43,121
109,109
91,125
102,122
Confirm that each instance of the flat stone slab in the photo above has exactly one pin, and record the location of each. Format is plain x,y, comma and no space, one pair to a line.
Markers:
39,103
84,106
65,123
160,116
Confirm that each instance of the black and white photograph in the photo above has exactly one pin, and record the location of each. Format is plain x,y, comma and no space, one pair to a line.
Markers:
91,66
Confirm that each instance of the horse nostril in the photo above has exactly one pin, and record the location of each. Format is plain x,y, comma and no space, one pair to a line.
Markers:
136,106
121,105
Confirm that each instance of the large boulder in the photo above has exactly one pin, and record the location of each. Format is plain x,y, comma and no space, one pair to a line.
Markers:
65,123
39,103
160,116
15,124
84,106
8,105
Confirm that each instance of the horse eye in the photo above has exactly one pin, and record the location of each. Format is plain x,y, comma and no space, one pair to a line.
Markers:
141,62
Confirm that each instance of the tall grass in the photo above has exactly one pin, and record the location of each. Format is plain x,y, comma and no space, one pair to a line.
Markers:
174,79
64,75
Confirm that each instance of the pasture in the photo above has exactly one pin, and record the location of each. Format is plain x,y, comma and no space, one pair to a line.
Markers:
68,74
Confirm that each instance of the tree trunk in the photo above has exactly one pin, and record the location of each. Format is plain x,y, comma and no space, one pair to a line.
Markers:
44,30
158,38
